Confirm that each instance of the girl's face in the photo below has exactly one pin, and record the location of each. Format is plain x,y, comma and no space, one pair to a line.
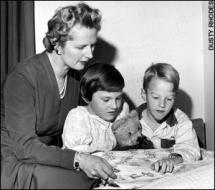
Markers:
78,50
105,104
160,98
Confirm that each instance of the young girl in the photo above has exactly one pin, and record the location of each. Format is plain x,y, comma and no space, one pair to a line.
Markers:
88,128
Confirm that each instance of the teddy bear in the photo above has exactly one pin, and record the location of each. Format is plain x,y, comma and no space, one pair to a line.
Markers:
128,133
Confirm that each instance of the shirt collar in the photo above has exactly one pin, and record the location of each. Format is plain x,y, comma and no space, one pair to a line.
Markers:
171,119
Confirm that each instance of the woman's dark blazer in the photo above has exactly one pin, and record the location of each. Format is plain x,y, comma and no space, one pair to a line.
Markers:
32,118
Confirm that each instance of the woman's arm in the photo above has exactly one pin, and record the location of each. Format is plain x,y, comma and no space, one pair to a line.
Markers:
20,122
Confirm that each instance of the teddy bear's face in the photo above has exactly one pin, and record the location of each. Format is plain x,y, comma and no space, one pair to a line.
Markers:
128,130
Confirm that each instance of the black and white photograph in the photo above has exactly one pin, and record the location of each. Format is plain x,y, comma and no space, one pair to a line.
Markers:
107,94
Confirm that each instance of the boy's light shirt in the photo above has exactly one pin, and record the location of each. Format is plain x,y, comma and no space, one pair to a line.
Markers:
85,132
186,142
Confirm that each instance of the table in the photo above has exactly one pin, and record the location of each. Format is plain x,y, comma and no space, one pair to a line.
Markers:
135,173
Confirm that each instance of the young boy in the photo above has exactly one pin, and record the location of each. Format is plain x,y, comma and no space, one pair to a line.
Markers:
165,125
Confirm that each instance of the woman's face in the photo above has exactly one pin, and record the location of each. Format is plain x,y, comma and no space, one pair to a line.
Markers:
105,104
78,50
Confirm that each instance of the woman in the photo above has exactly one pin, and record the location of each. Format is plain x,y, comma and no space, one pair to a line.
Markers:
36,99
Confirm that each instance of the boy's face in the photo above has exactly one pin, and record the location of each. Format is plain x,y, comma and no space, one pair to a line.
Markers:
105,104
160,98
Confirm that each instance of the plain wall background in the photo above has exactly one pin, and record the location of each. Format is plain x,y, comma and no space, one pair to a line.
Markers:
136,33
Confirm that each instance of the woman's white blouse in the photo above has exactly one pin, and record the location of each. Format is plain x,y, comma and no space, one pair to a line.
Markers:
85,132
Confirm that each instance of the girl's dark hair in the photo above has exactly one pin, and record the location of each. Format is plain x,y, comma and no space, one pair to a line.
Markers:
65,19
164,71
100,76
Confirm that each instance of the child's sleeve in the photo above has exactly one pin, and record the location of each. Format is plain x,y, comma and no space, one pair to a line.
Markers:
187,142
76,133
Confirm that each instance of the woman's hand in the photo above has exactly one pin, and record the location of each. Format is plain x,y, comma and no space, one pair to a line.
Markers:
96,167
167,164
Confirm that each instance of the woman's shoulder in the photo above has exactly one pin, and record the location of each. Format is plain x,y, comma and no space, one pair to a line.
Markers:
26,72
31,61
31,66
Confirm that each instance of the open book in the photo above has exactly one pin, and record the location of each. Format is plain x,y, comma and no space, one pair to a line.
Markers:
135,172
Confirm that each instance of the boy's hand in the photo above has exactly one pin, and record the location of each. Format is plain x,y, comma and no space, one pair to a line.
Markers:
163,166
167,164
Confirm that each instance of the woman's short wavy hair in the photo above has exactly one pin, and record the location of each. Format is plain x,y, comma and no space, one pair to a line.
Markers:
65,19
163,71
100,76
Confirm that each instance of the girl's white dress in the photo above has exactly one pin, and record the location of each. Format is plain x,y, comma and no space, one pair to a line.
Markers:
85,132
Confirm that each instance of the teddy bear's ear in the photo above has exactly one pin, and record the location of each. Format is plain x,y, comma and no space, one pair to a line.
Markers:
117,124
133,113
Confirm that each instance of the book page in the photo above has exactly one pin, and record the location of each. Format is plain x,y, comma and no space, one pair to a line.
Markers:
199,178
135,172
